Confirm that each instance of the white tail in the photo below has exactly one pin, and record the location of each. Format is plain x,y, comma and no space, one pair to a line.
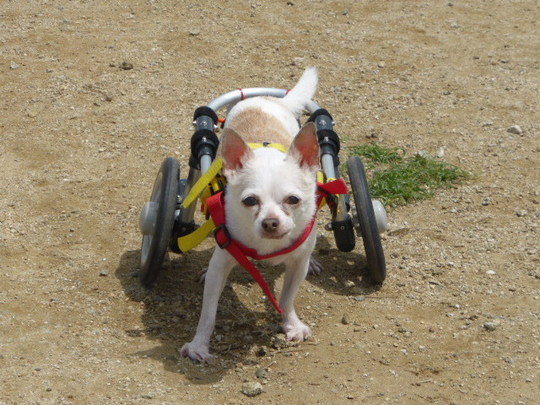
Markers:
302,92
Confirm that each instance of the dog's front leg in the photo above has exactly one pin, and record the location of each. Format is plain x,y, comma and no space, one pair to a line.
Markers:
219,268
295,273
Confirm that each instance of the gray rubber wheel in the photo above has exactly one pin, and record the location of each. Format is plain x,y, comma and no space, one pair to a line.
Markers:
367,222
158,229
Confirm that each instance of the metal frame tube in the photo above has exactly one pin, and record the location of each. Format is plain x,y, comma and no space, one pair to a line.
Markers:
327,163
233,97
226,100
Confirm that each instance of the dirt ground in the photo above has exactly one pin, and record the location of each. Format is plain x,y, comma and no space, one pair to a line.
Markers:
94,95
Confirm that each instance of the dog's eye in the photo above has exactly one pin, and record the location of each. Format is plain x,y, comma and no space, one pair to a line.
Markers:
250,201
292,200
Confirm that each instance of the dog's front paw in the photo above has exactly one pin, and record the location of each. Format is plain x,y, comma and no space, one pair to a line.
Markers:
315,268
297,332
196,352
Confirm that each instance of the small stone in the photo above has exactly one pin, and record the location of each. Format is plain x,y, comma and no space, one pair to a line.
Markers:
491,272
252,389
440,152
103,273
491,325
194,32
349,283
521,213
261,373
345,319
487,201
404,331
14,65
381,64
359,298
126,66
515,129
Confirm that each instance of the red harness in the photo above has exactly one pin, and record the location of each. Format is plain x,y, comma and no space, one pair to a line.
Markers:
216,208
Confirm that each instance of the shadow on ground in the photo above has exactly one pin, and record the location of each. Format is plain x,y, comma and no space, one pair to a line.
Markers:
172,307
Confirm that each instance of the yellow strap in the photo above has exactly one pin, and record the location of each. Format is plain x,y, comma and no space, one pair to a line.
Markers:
215,168
203,182
188,242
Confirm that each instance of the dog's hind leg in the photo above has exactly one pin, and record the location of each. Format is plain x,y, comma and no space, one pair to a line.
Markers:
315,268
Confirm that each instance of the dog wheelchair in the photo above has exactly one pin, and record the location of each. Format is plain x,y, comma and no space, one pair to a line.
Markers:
167,220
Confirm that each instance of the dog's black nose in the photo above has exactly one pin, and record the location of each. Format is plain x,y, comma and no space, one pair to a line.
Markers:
270,224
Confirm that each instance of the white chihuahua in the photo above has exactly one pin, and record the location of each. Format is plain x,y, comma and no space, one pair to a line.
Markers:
270,201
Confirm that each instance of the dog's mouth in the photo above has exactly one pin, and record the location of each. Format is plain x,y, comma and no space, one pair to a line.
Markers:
267,235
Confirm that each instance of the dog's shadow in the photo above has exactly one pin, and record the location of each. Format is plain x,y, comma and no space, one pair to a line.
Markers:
172,306
171,311
344,273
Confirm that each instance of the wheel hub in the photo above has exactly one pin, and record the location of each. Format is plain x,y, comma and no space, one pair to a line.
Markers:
380,216
147,219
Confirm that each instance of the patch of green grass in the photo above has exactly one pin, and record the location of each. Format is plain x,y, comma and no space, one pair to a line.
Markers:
377,154
398,180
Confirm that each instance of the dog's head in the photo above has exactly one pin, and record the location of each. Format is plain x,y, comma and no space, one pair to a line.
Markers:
270,195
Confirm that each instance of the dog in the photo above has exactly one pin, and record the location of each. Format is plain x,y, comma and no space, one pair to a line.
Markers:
270,200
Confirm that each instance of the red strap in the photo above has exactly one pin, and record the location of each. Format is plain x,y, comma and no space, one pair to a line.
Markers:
255,255
337,186
216,208
242,259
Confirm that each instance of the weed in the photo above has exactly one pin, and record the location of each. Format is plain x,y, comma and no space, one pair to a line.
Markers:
398,180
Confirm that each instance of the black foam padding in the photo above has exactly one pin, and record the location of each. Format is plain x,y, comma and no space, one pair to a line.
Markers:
320,111
205,110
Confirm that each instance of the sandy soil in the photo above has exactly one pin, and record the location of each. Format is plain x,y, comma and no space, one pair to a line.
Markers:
94,95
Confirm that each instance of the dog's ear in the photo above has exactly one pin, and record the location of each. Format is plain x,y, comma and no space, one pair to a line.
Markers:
234,150
305,147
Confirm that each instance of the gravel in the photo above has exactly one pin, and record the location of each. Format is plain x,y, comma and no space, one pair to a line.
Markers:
82,139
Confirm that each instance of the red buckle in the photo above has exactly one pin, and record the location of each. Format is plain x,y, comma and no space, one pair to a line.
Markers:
228,240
